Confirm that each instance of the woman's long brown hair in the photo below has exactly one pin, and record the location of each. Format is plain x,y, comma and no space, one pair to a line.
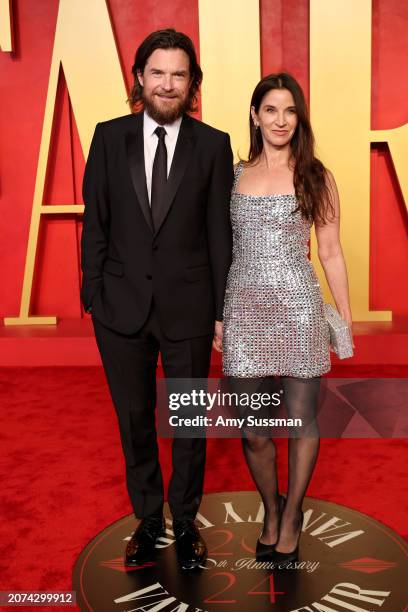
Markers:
310,175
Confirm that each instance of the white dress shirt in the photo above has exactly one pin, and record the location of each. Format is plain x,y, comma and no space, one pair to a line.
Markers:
150,140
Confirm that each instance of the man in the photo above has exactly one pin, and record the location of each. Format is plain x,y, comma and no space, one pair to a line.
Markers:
156,249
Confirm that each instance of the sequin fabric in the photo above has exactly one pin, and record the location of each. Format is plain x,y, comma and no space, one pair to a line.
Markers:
274,321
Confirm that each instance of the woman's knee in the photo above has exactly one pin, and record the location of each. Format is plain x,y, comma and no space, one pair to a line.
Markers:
256,444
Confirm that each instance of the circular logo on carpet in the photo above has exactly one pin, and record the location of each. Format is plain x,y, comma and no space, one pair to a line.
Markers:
347,561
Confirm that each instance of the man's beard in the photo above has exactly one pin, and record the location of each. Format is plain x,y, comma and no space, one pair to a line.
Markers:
164,115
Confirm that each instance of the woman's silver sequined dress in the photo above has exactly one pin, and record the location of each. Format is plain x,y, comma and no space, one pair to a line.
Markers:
274,322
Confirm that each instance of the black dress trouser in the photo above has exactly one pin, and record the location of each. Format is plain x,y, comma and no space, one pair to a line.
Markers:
130,364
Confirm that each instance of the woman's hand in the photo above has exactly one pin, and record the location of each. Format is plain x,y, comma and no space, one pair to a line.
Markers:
217,341
346,315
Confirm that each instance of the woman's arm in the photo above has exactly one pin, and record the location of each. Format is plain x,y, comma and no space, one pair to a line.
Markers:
331,255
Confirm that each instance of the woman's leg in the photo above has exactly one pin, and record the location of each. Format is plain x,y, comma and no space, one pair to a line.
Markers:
301,399
260,454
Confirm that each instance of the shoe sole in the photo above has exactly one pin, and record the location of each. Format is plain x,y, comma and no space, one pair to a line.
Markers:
139,564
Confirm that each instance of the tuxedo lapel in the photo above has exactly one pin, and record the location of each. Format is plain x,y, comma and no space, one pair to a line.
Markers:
135,156
182,155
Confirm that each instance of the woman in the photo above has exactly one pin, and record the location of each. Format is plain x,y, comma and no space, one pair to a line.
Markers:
274,322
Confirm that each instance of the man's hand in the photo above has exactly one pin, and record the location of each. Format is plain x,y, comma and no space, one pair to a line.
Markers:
217,341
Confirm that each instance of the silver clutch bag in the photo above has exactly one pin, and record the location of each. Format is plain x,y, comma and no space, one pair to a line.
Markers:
340,338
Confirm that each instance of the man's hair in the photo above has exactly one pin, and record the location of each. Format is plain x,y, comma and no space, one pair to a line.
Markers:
165,39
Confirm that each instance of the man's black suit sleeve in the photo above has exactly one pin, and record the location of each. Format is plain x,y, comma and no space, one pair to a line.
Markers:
96,219
218,221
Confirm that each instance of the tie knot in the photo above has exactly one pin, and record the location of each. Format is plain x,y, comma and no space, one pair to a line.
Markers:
160,132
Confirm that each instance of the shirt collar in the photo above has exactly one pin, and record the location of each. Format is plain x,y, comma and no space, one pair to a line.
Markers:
149,125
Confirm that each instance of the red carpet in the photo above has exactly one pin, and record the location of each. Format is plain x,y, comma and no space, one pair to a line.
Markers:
63,474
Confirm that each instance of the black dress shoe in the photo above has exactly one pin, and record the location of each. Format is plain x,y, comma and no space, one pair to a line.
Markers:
190,546
140,547
264,552
289,557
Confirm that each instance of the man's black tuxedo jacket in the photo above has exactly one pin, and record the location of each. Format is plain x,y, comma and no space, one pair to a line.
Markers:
184,263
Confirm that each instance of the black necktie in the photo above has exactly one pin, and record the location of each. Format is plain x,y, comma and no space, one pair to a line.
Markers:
159,176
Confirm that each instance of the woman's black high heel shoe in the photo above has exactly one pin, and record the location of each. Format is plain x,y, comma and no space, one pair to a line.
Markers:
288,557
264,552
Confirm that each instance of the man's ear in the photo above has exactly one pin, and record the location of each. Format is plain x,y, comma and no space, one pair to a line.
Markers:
139,75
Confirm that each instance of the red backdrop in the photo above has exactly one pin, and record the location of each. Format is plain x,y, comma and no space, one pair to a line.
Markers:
284,40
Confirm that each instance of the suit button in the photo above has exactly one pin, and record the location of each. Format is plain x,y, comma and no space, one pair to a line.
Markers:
149,276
